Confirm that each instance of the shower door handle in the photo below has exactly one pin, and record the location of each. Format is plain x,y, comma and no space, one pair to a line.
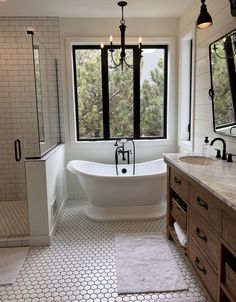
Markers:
17,146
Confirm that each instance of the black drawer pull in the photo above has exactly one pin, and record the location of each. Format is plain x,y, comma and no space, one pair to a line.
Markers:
202,203
199,266
177,181
201,236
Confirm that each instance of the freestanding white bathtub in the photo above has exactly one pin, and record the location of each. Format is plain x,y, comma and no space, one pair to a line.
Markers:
110,197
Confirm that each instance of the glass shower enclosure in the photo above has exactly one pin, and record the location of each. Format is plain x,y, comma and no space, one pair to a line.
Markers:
47,97
30,126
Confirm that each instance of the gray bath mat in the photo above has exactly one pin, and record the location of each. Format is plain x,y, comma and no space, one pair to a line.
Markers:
145,263
11,261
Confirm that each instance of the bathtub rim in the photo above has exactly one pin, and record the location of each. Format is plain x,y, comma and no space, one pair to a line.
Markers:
75,171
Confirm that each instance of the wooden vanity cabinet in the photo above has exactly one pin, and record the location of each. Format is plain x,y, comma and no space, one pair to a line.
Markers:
210,226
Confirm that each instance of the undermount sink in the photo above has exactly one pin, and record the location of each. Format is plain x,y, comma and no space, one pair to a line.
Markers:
198,160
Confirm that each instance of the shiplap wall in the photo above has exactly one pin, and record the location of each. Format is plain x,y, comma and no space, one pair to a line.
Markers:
223,22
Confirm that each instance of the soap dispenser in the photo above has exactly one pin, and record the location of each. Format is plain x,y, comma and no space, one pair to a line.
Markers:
206,147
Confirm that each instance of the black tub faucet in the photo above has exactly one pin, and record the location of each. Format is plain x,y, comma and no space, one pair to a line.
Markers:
224,157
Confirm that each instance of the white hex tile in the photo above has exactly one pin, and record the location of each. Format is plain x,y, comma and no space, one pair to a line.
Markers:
80,263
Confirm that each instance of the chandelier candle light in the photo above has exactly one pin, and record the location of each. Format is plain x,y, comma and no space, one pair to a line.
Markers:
122,59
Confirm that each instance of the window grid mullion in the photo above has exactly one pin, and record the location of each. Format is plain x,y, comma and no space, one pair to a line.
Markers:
136,93
105,94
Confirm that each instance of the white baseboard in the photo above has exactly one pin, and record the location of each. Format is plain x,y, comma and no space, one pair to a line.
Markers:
57,218
45,240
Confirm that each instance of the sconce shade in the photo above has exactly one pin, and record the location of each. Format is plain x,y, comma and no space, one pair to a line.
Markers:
204,20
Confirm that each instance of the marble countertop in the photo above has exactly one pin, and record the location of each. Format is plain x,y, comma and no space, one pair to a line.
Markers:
218,178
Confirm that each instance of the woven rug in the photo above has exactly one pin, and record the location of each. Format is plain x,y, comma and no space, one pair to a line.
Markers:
145,263
11,261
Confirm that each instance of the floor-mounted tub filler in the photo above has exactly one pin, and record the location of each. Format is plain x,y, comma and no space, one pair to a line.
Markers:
123,196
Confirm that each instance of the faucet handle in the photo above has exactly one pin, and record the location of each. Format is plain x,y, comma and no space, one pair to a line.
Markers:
230,159
218,155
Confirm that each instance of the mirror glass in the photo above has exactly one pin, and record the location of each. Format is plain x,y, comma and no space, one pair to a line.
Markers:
223,83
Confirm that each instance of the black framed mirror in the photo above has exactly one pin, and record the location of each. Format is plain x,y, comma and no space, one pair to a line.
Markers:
223,83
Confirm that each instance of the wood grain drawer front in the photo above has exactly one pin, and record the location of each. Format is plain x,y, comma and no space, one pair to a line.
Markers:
179,184
206,207
229,230
204,236
179,213
203,269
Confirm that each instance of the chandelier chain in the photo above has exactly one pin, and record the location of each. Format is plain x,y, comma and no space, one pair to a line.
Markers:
122,21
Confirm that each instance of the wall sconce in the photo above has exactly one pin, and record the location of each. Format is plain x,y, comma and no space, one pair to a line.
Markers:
204,20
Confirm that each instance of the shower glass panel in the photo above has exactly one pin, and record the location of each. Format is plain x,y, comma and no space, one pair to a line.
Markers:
47,96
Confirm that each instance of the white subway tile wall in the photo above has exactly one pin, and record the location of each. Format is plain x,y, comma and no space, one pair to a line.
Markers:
18,117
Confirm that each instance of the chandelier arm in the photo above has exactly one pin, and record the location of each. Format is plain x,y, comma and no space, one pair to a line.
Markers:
224,57
122,27
133,65
114,62
227,57
229,49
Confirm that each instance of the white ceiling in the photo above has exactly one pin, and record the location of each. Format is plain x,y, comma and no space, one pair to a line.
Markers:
93,8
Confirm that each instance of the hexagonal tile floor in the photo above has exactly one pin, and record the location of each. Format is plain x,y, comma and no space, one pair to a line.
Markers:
80,263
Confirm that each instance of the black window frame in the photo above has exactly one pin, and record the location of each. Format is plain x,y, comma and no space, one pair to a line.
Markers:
136,92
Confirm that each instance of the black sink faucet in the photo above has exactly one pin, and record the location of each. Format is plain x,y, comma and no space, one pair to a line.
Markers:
224,157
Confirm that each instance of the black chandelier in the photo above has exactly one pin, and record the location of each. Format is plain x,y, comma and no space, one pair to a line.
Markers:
122,60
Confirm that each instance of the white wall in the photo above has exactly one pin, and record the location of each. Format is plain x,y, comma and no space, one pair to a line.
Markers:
87,29
223,22
46,182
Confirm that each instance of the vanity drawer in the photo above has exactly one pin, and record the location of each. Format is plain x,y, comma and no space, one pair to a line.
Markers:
179,184
179,213
229,230
203,269
204,236
206,206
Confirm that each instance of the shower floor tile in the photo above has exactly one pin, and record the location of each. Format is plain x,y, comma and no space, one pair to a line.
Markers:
13,218
80,263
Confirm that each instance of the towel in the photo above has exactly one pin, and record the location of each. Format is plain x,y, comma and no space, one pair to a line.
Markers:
180,234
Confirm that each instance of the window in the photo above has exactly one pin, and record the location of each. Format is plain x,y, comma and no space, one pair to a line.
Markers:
112,104
186,72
